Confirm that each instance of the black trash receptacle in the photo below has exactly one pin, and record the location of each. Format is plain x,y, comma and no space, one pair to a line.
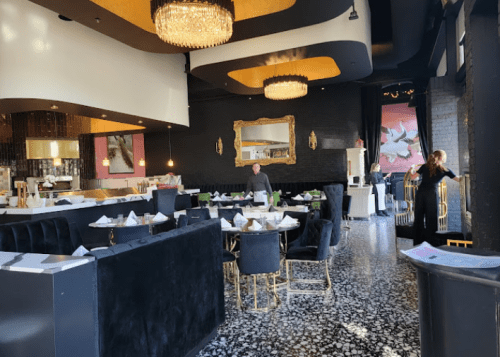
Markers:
459,308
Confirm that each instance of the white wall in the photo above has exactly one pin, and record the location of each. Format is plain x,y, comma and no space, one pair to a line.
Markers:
44,57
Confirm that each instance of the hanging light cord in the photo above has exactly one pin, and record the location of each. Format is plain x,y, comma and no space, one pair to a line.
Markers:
169,145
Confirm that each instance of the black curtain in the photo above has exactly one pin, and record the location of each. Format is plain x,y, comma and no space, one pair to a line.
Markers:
371,100
421,111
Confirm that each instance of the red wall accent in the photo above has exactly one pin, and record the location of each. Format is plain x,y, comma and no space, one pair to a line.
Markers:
101,151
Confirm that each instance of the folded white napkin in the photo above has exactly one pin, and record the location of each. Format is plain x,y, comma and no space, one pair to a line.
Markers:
248,197
216,193
159,217
255,226
130,221
132,215
288,221
224,223
224,197
280,192
80,251
239,218
323,197
298,198
250,194
102,220
307,196
216,198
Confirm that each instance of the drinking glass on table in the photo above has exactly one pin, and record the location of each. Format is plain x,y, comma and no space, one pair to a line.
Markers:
147,218
120,219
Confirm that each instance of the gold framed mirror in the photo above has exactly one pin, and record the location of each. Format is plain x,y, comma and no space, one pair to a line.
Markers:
265,141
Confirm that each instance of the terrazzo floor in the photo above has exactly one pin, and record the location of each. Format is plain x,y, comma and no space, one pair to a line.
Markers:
372,310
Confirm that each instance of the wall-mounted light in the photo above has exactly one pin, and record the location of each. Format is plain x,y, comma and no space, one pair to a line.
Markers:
353,15
313,141
105,162
218,146
142,162
170,162
57,161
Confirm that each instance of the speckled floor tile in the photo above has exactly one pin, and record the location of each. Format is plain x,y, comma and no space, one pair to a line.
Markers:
372,310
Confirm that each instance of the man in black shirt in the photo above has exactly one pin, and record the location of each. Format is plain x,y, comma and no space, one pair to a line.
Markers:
259,184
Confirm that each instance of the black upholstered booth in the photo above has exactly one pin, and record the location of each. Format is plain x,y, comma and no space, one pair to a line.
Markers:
161,295
334,196
164,201
50,236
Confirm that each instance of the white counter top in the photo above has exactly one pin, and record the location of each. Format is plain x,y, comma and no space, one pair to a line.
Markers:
38,210
40,263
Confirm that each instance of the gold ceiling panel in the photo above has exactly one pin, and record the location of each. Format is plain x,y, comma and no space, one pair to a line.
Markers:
313,68
106,126
138,12
248,9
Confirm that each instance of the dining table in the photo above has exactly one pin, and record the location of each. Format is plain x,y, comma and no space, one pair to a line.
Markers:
146,222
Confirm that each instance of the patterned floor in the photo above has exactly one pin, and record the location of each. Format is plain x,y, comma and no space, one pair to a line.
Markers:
373,310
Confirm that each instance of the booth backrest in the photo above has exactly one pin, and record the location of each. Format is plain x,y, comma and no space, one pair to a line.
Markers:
48,236
162,295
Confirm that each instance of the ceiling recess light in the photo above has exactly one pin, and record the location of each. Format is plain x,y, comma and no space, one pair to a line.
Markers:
54,107
140,121
104,116
193,23
98,20
285,87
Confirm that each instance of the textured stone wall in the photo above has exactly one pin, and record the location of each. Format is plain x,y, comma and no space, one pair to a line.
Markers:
482,59
443,95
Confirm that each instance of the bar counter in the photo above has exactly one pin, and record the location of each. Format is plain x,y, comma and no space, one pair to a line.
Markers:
81,214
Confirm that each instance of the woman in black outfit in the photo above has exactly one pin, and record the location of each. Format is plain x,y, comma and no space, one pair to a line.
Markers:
427,197
375,178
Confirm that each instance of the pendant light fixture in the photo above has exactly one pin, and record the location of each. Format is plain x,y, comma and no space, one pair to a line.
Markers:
283,87
193,23
55,148
170,162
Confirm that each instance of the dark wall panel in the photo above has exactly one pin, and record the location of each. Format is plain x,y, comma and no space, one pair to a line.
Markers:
334,114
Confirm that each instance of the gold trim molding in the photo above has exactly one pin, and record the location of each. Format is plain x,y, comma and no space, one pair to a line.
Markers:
290,160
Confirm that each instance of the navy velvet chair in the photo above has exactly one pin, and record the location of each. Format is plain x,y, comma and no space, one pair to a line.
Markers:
127,234
193,215
296,235
229,213
260,257
334,196
346,209
316,250
164,201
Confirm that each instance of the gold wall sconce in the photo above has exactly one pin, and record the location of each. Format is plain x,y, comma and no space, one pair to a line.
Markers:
218,146
313,141
105,162
142,162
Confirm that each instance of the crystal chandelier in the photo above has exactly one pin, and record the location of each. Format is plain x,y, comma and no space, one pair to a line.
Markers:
285,87
193,23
